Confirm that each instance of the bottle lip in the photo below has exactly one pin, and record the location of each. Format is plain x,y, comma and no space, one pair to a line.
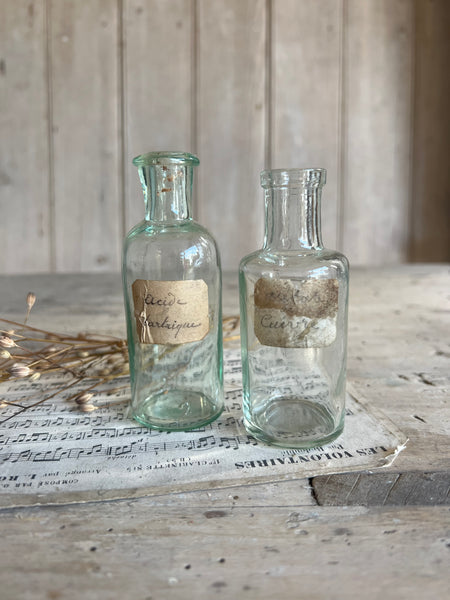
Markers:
165,157
315,177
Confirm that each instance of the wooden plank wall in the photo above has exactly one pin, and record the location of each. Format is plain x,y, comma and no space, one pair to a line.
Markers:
357,86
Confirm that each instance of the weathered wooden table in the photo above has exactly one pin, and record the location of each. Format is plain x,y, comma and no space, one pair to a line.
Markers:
381,534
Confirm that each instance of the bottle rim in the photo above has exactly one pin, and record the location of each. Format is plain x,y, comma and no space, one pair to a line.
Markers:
314,177
165,157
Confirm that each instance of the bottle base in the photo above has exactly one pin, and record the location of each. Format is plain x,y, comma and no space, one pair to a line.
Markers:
293,423
176,410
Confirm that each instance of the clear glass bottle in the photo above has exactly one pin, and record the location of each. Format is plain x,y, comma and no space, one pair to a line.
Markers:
294,296
172,287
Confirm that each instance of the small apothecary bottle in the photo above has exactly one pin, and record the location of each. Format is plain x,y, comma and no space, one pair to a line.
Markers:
172,287
293,297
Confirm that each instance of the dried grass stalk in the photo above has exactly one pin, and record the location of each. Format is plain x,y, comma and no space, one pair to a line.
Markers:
90,358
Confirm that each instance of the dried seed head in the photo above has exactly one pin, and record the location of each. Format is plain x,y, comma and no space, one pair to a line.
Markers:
83,354
5,354
113,360
88,407
7,342
18,370
119,370
31,299
83,398
35,376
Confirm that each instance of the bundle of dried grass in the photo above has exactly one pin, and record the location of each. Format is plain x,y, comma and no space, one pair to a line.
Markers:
90,359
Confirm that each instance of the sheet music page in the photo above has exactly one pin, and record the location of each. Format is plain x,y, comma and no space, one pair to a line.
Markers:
54,453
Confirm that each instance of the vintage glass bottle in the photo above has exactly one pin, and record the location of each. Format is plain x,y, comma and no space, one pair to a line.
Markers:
172,288
293,297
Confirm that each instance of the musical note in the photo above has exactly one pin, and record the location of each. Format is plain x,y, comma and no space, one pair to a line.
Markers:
55,447
120,450
204,443
42,436
229,442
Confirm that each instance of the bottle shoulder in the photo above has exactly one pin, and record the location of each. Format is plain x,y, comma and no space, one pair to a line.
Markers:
136,230
148,231
321,263
162,249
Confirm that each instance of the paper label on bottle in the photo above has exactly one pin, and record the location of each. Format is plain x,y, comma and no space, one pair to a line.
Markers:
171,312
296,313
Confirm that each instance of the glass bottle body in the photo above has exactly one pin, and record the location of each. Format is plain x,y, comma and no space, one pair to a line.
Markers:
294,296
172,287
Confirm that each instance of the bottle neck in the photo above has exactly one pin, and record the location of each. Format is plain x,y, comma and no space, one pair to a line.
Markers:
293,218
167,192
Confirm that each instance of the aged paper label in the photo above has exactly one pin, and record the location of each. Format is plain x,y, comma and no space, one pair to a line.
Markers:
296,313
171,312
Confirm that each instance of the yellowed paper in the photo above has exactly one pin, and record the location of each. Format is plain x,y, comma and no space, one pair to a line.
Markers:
296,313
171,312
53,453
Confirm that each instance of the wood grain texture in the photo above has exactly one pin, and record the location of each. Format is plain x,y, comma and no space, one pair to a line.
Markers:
398,351
136,549
231,108
430,235
84,87
270,540
24,151
399,356
377,88
359,87
158,86
306,95
383,489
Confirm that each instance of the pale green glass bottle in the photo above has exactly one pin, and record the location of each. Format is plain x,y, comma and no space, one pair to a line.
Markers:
172,288
293,297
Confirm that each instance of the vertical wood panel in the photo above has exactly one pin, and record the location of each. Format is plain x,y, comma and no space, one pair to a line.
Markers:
158,37
377,119
431,172
231,123
24,187
84,84
196,75
306,95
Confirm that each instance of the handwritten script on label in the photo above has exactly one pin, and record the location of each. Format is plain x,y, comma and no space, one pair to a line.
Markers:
296,313
170,312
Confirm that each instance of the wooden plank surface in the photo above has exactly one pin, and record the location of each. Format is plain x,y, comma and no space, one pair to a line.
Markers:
231,106
205,550
399,332
158,86
306,95
269,540
383,489
358,87
430,236
377,88
398,356
84,85
24,152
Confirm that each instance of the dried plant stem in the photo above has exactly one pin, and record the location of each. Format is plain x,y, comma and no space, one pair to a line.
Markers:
12,403
92,358
66,338
41,401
